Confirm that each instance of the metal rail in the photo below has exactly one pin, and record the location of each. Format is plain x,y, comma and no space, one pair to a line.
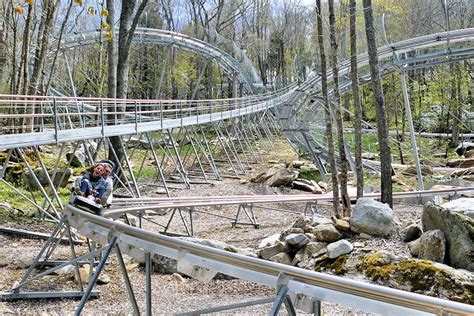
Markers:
319,286
162,37
303,117
132,117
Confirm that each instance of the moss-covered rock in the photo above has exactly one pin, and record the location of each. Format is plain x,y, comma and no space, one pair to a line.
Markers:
420,276
337,266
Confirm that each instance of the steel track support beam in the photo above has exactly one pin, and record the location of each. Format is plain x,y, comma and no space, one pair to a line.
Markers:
282,297
95,277
179,165
209,157
126,279
406,102
35,178
219,137
162,74
130,170
158,165
148,288
247,209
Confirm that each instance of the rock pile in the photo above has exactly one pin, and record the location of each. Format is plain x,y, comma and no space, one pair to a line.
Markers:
292,175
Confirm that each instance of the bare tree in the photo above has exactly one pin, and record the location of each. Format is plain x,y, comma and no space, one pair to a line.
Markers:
344,164
129,17
356,100
324,88
382,130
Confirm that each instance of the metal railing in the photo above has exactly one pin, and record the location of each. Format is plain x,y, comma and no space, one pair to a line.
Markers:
39,120
318,286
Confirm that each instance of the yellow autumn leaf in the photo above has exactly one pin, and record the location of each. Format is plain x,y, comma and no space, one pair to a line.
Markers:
108,36
30,2
105,13
104,25
91,10
79,2
19,10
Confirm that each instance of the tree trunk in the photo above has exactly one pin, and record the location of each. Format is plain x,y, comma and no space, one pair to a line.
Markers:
127,26
382,130
356,99
344,164
324,88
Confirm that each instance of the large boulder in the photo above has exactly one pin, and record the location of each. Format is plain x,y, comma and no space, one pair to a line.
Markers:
281,257
411,170
432,246
463,206
458,229
277,175
372,217
268,241
469,153
462,172
420,276
313,249
61,179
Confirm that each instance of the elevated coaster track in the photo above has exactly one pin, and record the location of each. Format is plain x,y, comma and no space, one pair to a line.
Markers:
302,118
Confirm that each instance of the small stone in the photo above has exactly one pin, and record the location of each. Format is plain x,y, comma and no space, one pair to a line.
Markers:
366,249
359,244
270,251
372,217
365,236
103,279
410,233
24,261
177,278
289,231
296,240
326,233
313,248
268,241
4,260
342,225
297,163
302,222
84,273
67,270
319,220
414,247
243,181
281,257
339,248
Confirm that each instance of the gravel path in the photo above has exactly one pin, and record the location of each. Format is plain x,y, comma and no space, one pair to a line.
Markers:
172,293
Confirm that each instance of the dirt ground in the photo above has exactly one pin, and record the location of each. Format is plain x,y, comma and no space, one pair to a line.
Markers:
171,293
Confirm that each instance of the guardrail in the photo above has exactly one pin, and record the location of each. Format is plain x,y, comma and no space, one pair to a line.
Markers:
304,283
40,120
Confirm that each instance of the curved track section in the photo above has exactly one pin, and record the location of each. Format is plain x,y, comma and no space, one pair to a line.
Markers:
161,37
303,116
